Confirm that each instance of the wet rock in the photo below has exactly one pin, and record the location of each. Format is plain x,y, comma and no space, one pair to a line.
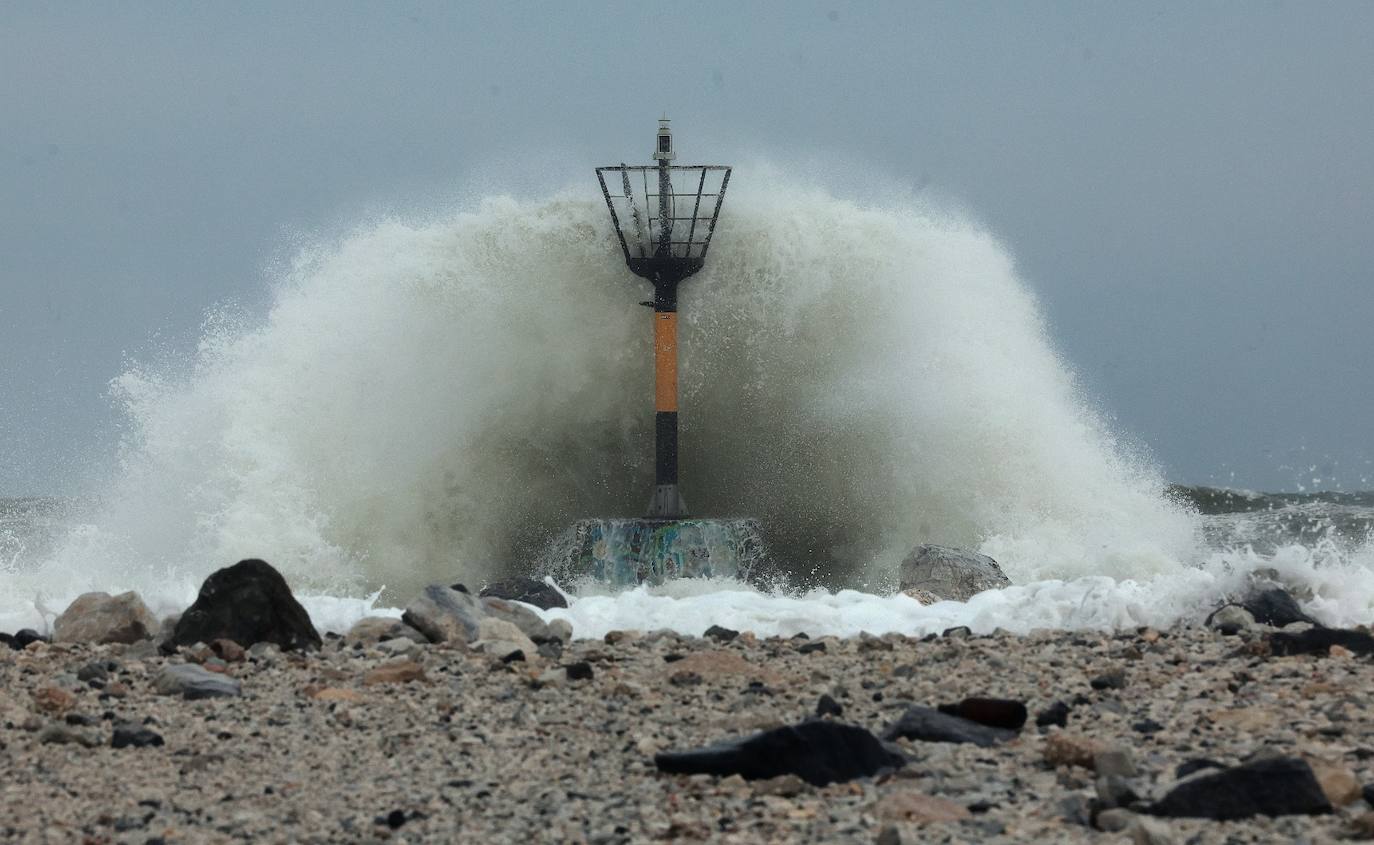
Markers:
135,736
248,603
926,724
103,618
819,752
917,808
371,630
25,637
61,734
993,712
395,672
445,615
1057,714
950,573
194,682
579,671
719,634
811,647
1277,607
538,593
1275,786
1231,619
1319,641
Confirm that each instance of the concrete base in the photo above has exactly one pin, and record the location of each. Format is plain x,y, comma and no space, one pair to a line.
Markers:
628,552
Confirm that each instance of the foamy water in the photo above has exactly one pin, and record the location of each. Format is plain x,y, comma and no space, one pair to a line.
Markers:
434,402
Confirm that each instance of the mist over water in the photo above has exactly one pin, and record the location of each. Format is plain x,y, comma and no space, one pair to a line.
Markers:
435,402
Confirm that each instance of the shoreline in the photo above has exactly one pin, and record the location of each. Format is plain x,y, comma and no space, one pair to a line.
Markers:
331,745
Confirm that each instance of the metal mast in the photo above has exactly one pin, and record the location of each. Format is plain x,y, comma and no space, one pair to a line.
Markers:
665,262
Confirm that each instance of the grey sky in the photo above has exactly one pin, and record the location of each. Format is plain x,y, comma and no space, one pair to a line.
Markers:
1189,187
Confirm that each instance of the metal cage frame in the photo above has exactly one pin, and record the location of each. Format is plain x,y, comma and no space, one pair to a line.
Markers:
656,254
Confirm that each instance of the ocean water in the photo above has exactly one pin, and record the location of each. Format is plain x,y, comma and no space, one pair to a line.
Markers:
435,401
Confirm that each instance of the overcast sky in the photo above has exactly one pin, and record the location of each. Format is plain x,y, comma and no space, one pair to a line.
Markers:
1189,187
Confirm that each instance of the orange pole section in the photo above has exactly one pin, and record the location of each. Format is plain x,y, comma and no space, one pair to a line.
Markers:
665,361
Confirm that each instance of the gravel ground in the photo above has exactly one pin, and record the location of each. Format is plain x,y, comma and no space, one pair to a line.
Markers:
319,750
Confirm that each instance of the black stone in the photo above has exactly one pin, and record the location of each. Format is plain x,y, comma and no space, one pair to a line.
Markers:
248,603
1279,786
1319,641
963,632
1056,714
393,819
1147,726
135,736
811,647
819,752
719,634
24,636
930,725
1275,607
517,656
527,590
460,588
1191,766
98,670
827,706
993,712
580,671
1113,679
1368,792
80,720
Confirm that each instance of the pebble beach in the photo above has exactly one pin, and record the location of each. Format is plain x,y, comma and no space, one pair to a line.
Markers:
374,738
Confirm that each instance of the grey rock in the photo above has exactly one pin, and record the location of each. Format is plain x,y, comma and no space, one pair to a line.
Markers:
1114,820
1148,831
929,725
135,736
399,647
950,573
103,618
562,629
520,616
376,629
1231,619
445,615
502,639
59,734
1115,762
193,682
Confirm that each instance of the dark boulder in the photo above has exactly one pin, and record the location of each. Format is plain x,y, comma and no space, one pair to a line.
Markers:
1277,786
1275,607
1319,641
993,712
720,634
1056,714
248,603
929,725
819,752
527,590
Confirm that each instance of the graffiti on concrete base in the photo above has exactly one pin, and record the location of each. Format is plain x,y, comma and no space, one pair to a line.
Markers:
626,552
